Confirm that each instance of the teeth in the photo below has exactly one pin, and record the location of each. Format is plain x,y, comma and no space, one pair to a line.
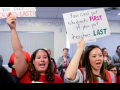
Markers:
97,63
42,64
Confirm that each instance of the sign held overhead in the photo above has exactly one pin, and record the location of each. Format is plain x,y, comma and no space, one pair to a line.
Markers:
18,11
86,24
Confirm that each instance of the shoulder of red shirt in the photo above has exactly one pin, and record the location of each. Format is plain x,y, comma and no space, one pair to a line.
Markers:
26,78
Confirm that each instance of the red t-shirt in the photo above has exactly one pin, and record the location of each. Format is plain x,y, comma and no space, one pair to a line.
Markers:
79,67
118,79
11,60
55,69
26,79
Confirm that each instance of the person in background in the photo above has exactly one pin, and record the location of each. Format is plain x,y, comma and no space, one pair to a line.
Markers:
116,57
92,70
107,59
115,70
52,60
1,60
5,76
12,66
62,63
39,69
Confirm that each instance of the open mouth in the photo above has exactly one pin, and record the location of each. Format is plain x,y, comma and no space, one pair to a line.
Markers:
42,65
98,63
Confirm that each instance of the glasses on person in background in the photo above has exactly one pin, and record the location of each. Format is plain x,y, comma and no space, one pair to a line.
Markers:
113,70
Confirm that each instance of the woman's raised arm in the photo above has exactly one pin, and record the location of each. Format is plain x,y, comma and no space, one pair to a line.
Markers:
19,61
73,66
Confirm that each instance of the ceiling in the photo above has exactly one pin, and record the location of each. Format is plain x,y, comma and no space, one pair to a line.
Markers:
56,12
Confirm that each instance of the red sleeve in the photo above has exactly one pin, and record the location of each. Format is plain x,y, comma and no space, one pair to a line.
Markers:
55,69
115,79
28,57
25,78
11,58
118,79
58,79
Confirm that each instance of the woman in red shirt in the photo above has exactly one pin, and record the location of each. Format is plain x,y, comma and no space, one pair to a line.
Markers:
39,69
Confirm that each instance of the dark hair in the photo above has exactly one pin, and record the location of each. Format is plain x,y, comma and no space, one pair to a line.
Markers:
103,50
86,64
53,60
35,75
112,66
80,64
117,48
5,76
86,47
65,49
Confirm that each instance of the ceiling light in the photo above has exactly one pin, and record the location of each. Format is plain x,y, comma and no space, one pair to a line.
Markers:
118,13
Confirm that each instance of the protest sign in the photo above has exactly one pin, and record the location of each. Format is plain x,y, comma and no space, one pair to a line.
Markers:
86,24
18,11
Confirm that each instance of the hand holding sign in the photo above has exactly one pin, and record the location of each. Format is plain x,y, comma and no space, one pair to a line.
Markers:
81,43
86,24
11,21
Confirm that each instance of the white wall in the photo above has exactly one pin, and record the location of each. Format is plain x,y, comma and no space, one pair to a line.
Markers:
42,25
114,26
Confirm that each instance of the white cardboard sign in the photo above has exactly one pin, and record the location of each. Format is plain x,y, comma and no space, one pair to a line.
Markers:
18,11
90,40
86,24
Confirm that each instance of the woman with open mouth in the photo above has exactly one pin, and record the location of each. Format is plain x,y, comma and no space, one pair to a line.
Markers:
92,70
39,69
